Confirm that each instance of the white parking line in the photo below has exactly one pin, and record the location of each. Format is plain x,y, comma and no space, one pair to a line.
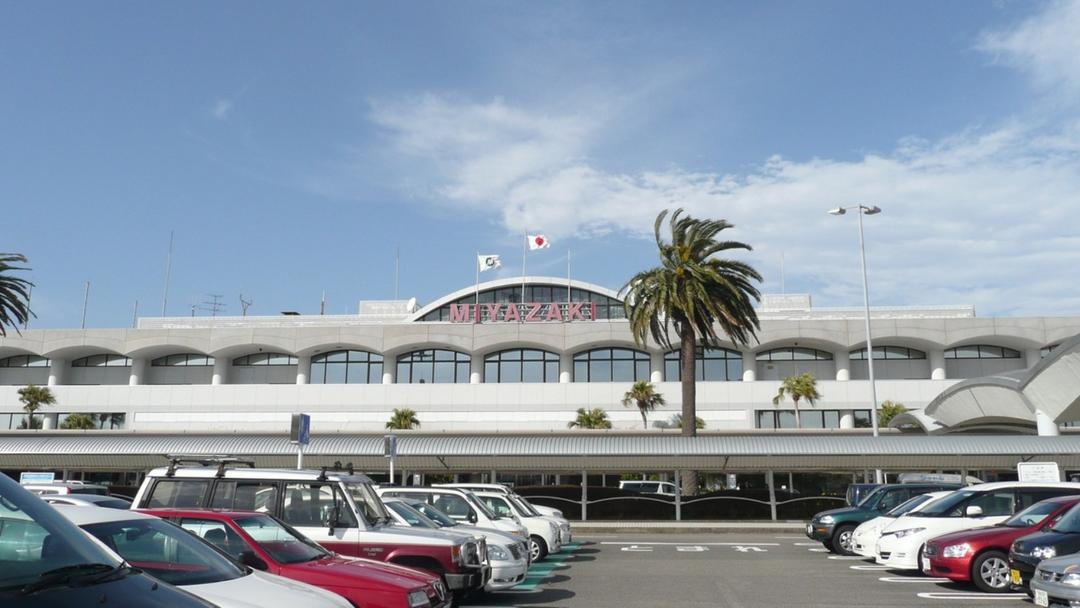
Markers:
807,544
641,542
912,579
818,550
969,595
869,567
790,537
847,557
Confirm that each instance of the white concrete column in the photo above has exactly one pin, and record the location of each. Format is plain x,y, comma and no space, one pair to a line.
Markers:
1032,356
138,371
476,370
749,366
48,421
847,419
388,373
1046,425
937,364
843,365
221,370
303,369
656,367
566,368
57,371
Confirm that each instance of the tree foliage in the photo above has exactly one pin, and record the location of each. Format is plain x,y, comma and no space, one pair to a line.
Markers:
595,418
643,395
889,410
77,421
34,398
676,422
14,293
403,419
799,387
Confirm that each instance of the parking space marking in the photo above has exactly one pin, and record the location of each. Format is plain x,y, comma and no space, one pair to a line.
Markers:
869,567
807,544
790,537
846,557
636,549
691,549
702,544
749,548
540,570
969,595
912,579
818,550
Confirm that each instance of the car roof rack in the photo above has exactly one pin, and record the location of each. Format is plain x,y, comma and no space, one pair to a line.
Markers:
222,461
335,468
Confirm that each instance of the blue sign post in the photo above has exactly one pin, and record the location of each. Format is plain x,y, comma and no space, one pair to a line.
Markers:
300,434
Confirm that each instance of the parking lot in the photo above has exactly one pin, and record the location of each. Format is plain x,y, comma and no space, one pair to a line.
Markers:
725,570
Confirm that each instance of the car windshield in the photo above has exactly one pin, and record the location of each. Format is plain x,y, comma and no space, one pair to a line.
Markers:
907,507
284,544
1033,515
1069,523
411,516
434,514
871,499
480,506
35,540
165,551
524,508
369,503
947,504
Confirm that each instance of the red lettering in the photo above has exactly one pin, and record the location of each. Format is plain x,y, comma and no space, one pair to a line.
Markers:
512,313
493,311
554,312
534,312
573,311
459,313
592,310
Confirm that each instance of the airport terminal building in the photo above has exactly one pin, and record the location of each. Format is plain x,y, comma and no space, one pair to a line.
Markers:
490,360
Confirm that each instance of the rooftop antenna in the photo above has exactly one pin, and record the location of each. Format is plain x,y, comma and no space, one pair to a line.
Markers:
86,300
135,315
244,305
194,307
322,303
168,271
214,305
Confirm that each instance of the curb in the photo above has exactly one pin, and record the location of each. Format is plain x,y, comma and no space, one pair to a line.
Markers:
644,527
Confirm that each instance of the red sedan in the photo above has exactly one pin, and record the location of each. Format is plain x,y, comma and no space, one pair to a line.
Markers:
981,556
265,543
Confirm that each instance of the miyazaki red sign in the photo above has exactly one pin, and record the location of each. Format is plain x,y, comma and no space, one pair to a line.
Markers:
528,312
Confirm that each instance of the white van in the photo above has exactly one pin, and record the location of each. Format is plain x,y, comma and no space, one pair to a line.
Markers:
662,488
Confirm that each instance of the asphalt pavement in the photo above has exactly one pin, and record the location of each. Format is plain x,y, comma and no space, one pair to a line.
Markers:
725,571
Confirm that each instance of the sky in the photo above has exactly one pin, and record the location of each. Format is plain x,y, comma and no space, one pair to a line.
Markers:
293,148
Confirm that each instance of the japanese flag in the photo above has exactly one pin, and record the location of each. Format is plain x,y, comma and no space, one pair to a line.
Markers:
488,262
538,241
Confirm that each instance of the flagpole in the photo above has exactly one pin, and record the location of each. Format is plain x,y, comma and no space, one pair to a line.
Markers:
524,253
568,275
477,305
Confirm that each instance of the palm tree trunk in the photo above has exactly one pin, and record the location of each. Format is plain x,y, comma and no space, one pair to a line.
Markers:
688,362
644,421
798,419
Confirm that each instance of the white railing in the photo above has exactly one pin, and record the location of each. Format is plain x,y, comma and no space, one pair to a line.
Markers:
269,321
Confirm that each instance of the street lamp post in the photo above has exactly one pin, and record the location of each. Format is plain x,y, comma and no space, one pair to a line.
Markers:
866,210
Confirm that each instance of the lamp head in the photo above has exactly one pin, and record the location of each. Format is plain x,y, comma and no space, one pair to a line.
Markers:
837,211
872,210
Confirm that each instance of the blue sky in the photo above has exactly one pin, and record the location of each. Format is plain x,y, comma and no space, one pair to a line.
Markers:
293,146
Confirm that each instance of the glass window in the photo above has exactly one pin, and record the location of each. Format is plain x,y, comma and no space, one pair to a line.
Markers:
766,420
794,353
258,496
713,365
611,364
281,542
981,351
785,419
888,352
178,494
217,533
996,503
521,365
24,361
260,359
453,505
346,367
183,360
812,419
102,361
499,506
433,365
312,505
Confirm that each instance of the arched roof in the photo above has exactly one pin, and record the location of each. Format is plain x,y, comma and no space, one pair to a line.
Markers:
512,282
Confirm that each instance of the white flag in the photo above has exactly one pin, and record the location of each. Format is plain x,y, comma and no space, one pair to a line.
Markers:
538,241
488,262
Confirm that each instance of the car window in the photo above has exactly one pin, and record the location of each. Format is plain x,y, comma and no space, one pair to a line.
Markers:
410,516
284,544
994,503
1032,515
312,505
216,533
498,505
453,505
165,551
433,513
1030,496
892,499
260,496
178,493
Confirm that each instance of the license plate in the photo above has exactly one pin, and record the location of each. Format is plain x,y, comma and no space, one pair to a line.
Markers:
926,564
1014,576
1040,598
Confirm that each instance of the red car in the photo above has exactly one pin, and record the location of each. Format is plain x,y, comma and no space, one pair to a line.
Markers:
981,556
265,543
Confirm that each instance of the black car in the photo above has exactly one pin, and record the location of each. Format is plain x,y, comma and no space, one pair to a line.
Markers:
1061,538
46,562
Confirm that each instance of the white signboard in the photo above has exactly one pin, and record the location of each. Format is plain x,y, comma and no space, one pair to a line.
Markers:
30,477
1038,471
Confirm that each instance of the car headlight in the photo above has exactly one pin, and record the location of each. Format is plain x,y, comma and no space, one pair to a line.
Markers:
498,554
554,528
962,550
1043,552
907,532
1072,578
827,519
457,554
418,599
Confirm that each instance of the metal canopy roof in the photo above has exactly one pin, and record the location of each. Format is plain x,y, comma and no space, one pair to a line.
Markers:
569,451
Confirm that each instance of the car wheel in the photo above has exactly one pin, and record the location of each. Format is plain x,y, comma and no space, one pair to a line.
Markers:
537,548
841,540
990,572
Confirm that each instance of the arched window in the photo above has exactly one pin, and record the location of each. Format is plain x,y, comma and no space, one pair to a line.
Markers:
346,367
25,361
102,361
794,353
183,360
713,365
888,352
521,365
433,365
611,365
981,351
261,359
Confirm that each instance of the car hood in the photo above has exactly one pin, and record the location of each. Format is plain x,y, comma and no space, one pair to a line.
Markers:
1063,564
843,513
1064,543
258,590
990,535
360,573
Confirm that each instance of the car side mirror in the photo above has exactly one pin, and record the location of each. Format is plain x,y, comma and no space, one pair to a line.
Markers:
249,559
973,511
472,517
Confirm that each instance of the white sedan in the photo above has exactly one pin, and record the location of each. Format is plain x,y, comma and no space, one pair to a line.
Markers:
173,555
864,538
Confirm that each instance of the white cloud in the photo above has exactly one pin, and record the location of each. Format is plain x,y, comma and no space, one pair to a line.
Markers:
221,109
986,216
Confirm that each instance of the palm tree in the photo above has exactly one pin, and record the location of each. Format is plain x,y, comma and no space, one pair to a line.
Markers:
693,293
14,293
676,422
403,419
34,398
643,394
77,421
802,386
595,418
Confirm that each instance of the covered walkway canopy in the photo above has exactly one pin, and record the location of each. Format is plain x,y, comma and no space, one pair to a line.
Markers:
549,452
